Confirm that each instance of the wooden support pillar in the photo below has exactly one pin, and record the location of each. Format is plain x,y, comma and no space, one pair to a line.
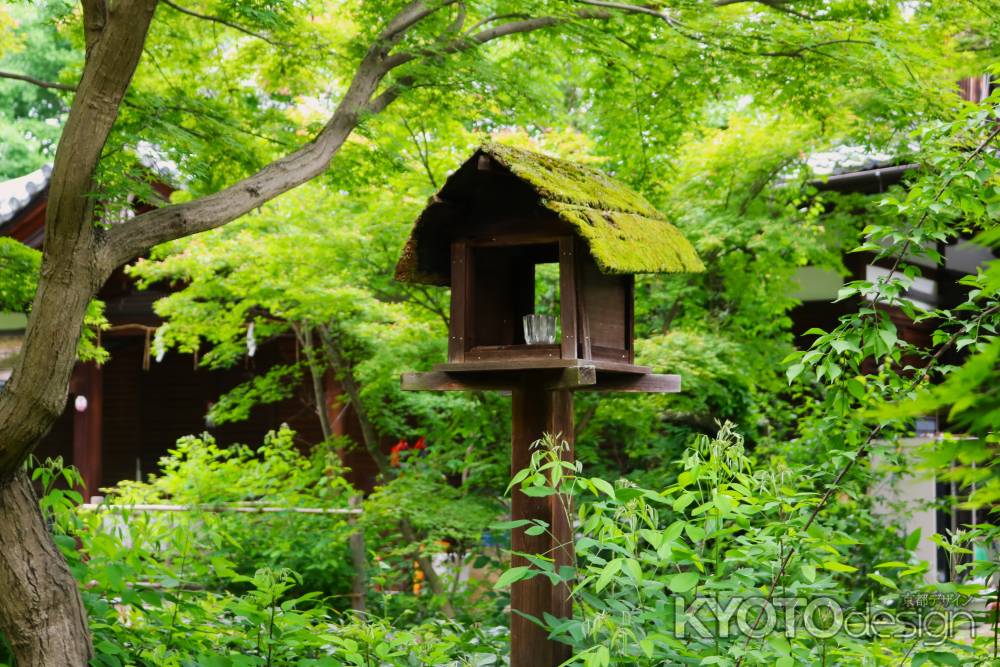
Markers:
542,394
87,425
537,411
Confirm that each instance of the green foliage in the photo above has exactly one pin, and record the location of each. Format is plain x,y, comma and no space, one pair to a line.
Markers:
206,588
856,410
640,436
708,111
33,41
285,273
19,267
726,531
277,384
200,474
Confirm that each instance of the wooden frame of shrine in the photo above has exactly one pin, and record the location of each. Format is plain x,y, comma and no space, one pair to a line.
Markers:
503,213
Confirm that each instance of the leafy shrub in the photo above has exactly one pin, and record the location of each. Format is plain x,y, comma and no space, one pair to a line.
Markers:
659,571
173,589
201,475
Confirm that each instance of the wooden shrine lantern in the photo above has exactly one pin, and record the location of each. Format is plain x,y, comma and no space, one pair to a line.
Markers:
508,229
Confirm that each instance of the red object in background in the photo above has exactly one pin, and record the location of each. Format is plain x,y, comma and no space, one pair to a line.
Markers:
394,453
403,446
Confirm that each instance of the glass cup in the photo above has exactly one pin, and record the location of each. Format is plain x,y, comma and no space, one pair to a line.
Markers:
539,329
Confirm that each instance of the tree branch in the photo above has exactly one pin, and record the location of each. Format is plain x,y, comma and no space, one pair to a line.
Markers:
408,17
496,17
459,21
37,82
777,5
107,74
222,21
469,41
632,9
423,153
95,17
123,242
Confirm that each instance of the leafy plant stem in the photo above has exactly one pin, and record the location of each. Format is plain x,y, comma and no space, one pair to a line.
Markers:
270,627
180,590
996,617
861,451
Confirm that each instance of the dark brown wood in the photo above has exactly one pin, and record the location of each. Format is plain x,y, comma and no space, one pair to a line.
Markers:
535,412
536,364
459,296
501,237
543,350
573,377
583,317
498,238
502,291
630,318
95,428
41,613
616,354
87,426
561,510
605,297
577,378
635,384
512,352
567,297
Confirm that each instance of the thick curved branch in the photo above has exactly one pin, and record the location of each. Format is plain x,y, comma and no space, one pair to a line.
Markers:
107,74
409,16
36,393
133,238
37,82
126,241
777,5
469,41
496,17
632,9
95,18
222,21
459,21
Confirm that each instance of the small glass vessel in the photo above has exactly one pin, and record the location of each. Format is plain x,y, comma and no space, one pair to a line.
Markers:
539,329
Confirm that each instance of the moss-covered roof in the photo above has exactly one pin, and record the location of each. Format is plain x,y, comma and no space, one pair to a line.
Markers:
624,232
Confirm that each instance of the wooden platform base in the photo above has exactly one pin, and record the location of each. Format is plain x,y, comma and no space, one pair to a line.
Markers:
574,378
494,365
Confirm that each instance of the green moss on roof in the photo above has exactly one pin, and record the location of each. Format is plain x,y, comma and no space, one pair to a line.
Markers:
629,243
568,182
624,232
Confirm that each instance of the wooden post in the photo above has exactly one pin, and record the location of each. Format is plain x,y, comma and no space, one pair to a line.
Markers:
561,510
535,412
87,426
461,268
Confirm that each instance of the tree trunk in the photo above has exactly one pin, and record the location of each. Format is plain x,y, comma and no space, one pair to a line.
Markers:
356,542
40,610
41,613
359,558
